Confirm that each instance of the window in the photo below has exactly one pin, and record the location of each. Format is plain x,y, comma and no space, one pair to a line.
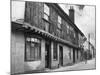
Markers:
59,22
33,49
46,26
46,17
74,35
46,12
67,28
55,51
59,27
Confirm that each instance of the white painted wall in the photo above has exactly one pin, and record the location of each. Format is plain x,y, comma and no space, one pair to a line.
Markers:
17,52
18,64
17,10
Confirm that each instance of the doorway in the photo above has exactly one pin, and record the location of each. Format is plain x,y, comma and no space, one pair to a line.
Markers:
73,55
60,55
47,55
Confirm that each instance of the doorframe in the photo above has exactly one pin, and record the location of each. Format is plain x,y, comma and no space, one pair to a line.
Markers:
74,56
61,60
49,54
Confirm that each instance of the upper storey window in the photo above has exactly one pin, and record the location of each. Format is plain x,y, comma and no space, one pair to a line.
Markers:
46,17
46,12
59,22
67,25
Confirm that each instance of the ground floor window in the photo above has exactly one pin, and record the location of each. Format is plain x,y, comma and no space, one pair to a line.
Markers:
55,51
32,49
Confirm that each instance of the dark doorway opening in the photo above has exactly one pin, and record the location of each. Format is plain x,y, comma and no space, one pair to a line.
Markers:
73,56
47,55
60,56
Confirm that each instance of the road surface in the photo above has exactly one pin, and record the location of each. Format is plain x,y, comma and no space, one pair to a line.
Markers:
79,66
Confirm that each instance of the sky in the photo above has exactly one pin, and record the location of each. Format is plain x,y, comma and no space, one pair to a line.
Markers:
84,19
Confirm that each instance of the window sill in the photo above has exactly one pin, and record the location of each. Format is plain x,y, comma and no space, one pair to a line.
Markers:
32,60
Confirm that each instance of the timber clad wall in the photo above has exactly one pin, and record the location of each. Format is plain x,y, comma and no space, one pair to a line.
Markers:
53,20
34,15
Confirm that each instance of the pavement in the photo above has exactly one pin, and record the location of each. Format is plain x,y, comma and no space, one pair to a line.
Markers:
78,66
75,67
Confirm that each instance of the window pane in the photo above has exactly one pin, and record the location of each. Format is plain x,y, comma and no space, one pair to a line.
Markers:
46,9
59,25
59,19
28,39
74,34
46,17
28,51
32,52
67,29
46,26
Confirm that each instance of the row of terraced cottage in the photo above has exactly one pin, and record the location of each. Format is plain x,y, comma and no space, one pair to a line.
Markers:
43,36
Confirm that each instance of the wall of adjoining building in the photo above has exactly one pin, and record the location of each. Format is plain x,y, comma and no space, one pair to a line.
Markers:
17,52
18,63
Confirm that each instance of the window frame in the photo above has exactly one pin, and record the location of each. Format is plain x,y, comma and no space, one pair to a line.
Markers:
38,52
59,28
58,23
47,14
46,19
68,28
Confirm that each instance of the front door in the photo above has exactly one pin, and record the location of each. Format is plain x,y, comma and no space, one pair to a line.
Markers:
47,55
60,55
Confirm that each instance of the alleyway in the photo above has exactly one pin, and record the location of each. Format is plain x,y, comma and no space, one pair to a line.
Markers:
79,66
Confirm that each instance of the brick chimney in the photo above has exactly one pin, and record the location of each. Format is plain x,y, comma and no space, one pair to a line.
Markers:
71,13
